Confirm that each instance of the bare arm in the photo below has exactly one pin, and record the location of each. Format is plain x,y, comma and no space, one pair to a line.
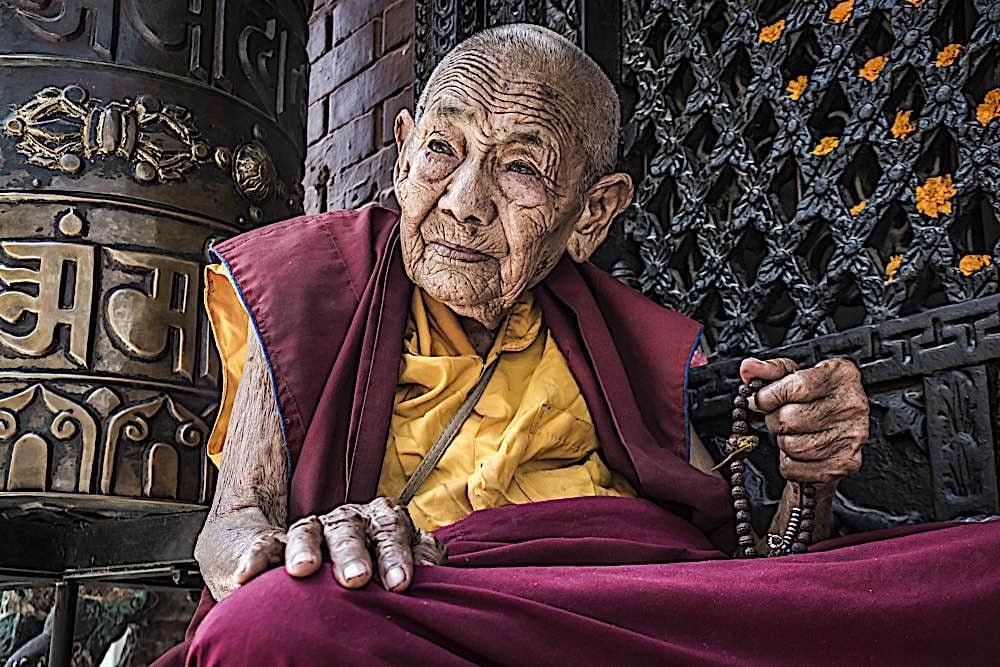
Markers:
245,530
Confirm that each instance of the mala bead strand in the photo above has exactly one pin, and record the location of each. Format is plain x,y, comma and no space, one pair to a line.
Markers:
798,533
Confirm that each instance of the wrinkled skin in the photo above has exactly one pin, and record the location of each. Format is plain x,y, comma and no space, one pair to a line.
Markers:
492,187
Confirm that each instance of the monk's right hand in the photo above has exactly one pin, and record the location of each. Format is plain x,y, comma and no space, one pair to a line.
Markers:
353,534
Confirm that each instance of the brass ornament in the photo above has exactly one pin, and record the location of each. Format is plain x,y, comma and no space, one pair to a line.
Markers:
64,128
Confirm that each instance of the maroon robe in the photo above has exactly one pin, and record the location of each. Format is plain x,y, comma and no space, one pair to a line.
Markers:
329,298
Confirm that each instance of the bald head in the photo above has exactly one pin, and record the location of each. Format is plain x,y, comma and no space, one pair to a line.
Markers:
570,79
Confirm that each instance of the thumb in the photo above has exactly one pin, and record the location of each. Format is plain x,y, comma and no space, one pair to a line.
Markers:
769,371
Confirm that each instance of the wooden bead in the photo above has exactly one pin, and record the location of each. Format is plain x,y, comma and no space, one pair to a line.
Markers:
732,443
808,503
741,427
736,479
740,402
744,391
808,491
746,541
739,492
805,537
737,467
739,414
755,385
743,528
743,516
741,505
806,525
798,548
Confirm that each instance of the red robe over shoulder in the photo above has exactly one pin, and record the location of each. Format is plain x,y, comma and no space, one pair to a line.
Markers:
576,581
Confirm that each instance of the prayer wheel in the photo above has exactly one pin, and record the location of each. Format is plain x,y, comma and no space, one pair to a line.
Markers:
134,135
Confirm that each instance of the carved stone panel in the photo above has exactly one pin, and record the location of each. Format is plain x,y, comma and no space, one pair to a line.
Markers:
134,136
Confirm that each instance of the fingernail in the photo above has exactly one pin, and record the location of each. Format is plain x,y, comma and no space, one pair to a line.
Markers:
354,569
303,559
394,577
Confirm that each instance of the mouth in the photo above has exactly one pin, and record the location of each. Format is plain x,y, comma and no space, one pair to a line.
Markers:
458,253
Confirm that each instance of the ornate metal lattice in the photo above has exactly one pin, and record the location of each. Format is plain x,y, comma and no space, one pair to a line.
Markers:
748,212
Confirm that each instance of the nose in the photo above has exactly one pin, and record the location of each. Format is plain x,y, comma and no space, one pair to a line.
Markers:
468,198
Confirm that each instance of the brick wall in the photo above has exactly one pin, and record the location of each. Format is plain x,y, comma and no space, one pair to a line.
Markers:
362,74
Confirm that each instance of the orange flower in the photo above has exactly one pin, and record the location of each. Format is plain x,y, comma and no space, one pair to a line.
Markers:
915,3
857,208
892,268
797,86
873,68
971,264
948,55
902,127
934,196
771,33
842,12
990,108
826,146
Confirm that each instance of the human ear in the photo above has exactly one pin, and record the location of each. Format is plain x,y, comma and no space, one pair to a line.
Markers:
605,199
402,128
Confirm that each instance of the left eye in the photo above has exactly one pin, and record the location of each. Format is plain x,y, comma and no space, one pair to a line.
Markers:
522,168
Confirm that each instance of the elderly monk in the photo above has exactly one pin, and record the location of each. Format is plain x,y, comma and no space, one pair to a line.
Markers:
359,345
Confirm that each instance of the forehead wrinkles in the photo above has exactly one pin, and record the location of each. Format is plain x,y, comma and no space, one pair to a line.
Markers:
469,76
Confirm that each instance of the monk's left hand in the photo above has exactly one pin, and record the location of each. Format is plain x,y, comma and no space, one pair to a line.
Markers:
819,414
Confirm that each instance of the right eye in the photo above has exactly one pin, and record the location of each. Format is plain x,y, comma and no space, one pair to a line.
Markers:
438,146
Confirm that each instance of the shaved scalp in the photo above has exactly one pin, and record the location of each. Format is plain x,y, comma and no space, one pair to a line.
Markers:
510,50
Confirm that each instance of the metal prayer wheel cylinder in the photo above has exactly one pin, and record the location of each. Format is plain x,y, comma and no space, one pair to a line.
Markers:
133,135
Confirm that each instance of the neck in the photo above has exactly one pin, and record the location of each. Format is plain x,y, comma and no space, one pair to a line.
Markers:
479,335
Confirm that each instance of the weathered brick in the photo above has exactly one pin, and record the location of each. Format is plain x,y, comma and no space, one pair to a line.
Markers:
368,181
390,108
349,15
389,74
346,145
342,62
316,120
319,35
397,24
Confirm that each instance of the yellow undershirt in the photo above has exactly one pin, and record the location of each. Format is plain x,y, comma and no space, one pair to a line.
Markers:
530,437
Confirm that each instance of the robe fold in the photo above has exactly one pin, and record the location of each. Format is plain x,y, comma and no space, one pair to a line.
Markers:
576,581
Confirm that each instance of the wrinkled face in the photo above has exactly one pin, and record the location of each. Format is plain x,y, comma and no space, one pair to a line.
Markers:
489,186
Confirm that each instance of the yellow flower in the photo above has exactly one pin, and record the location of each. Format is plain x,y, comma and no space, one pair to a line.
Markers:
826,146
857,208
948,55
990,108
902,127
842,12
873,68
797,86
934,196
771,33
892,268
971,264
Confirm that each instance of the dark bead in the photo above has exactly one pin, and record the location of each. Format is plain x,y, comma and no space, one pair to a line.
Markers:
808,503
750,552
732,443
740,402
741,505
746,541
805,537
743,516
808,490
755,385
743,528
744,391
739,414
736,479
739,492
737,467
741,427
806,525
798,548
